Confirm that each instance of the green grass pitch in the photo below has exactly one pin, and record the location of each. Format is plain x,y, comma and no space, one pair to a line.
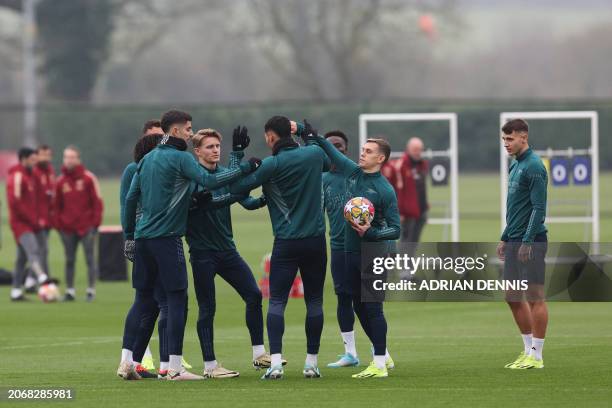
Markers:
446,353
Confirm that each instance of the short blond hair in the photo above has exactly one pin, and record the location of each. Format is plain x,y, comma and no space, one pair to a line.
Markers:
201,134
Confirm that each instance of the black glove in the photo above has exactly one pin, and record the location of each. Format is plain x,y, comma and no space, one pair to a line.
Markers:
199,198
129,249
255,163
240,138
309,132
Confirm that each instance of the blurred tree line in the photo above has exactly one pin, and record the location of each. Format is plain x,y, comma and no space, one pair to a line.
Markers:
202,51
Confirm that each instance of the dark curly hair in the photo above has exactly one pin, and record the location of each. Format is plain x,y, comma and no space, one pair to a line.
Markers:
145,144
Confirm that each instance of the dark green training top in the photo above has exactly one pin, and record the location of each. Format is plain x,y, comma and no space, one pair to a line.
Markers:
335,197
209,228
526,201
291,181
374,186
162,184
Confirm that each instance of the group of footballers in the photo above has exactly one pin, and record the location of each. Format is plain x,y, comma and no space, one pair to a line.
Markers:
167,194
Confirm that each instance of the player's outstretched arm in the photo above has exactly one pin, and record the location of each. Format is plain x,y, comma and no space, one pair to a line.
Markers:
310,136
131,202
391,215
255,179
193,171
342,163
235,159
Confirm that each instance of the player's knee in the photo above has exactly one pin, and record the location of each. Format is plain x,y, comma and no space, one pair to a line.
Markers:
345,300
145,303
277,307
179,296
514,298
373,310
254,300
314,307
206,311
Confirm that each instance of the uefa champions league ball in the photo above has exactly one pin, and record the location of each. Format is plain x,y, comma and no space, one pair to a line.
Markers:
359,210
48,292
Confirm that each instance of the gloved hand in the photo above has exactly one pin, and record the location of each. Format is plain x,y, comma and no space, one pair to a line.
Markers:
262,201
255,163
129,249
199,198
309,132
240,139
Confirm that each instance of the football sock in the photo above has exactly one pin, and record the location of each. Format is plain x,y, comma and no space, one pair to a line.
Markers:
311,360
71,291
126,355
536,348
163,365
258,351
276,359
349,343
527,339
175,363
380,361
148,352
210,365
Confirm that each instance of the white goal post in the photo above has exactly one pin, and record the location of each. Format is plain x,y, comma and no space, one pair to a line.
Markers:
451,153
592,150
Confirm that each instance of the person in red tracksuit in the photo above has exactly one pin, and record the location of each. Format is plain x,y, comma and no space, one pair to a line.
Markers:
408,177
23,217
44,176
77,213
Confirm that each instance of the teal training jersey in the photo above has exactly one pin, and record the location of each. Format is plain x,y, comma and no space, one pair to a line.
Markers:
209,228
374,186
163,185
291,183
335,197
526,201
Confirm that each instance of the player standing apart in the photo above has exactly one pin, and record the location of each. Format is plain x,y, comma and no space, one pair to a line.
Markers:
523,243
